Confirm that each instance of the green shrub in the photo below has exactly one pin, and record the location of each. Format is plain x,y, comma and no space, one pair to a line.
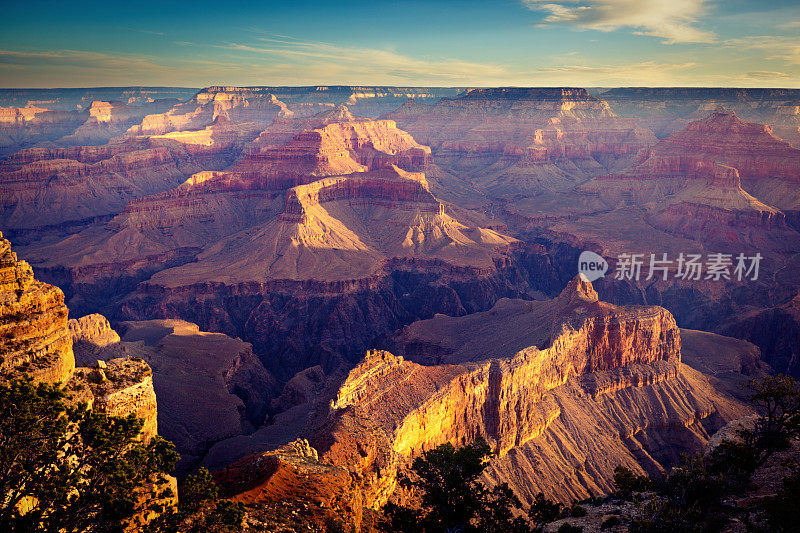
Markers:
627,482
543,511
577,511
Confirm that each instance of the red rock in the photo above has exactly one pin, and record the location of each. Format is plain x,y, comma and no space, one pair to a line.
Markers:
24,126
769,167
605,387
45,187
689,187
34,338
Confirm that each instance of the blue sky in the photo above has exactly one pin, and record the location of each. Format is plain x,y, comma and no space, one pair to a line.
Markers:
467,43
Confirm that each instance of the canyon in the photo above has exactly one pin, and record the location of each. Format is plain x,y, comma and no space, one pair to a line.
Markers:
564,390
668,110
506,165
317,284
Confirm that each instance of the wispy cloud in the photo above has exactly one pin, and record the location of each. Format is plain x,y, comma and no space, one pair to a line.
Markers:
675,21
767,75
149,32
639,73
271,59
342,63
774,47
50,68
77,58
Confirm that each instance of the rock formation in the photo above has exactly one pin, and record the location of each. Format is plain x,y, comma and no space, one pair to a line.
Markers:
120,387
563,390
337,144
523,148
336,209
21,127
93,331
69,118
35,338
363,100
710,183
209,105
108,120
690,197
51,186
769,167
37,341
210,387
667,110
294,473
533,125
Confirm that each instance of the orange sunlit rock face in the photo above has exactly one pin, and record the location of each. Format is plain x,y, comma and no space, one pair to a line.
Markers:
582,367
37,341
34,332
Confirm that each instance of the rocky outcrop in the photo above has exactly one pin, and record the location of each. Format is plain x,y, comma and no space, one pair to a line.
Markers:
336,148
343,229
522,149
749,147
37,341
94,330
34,338
690,197
121,387
110,119
281,221
769,167
367,101
667,110
21,127
513,326
90,121
294,473
210,387
605,387
520,403
532,125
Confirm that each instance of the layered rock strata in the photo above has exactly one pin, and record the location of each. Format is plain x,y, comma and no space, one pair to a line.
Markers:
769,167
34,335
692,198
522,149
667,110
37,342
51,186
285,220
21,127
210,387
208,106
533,125
605,386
